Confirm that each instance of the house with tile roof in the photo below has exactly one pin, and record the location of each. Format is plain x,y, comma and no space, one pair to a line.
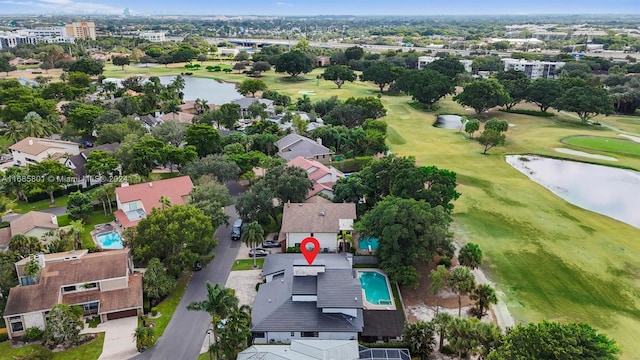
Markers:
102,284
181,117
135,202
33,223
33,150
294,145
323,177
321,301
323,221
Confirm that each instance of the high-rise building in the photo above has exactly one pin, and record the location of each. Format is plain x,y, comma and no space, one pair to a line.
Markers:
533,69
81,30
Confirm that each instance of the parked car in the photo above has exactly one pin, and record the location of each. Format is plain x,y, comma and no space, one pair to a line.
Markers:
87,143
270,244
236,232
259,252
197,266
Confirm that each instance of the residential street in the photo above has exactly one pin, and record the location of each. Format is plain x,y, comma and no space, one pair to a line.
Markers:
186,331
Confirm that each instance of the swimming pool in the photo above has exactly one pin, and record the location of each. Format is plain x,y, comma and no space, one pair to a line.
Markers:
376,288
110,240
363,244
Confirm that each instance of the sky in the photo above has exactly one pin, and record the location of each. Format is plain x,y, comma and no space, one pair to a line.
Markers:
320,7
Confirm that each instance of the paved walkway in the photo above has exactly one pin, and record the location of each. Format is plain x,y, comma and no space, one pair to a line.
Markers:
118,338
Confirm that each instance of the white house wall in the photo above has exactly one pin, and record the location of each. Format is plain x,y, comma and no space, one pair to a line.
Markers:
326,240
286,337
35,319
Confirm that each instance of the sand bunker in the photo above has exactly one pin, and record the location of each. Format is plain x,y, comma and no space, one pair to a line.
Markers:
630,137
585,154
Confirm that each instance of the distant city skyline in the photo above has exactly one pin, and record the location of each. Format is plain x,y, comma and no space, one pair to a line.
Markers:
325,7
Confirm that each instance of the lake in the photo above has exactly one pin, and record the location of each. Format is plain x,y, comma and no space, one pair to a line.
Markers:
448,122
605,190
211,90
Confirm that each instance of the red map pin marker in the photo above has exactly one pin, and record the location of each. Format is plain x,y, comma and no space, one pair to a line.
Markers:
310,248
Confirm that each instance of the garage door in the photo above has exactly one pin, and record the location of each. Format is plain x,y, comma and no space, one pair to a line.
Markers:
122,314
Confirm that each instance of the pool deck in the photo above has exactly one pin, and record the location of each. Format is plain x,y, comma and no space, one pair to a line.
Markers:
369,306
102,229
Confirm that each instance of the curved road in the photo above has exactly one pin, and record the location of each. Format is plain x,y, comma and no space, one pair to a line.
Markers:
185,334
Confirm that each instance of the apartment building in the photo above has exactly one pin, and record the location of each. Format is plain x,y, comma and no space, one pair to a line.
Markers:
533,69
155,37
81,30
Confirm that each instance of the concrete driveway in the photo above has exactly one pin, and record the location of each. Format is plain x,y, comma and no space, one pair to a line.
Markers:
118,338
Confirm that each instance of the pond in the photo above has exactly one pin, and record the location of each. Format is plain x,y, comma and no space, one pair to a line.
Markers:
605,190
213,91
448,122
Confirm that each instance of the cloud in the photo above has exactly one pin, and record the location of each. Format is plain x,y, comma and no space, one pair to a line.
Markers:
281,3
70,6
25,3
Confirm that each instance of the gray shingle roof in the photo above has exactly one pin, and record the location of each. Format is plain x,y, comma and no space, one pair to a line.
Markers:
247,101
304,316
81,159
294,145
274,310
340,289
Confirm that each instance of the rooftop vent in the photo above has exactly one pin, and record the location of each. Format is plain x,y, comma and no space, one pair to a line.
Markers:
30,141
150,184
321,213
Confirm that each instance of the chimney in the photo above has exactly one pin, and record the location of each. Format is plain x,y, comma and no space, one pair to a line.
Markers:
54,220
150,184
124,184
30,141
319,141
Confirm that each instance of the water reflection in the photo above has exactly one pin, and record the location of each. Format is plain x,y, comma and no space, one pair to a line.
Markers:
211,90
448,122
606,190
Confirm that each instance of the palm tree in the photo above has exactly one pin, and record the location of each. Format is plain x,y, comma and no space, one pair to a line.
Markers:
13,131
77,227
235,334
109,87
219,303
143,335
419,336
252,236
439,279
441,323
201,106
484,296
32,125
462,282
462,336
25,245
32,270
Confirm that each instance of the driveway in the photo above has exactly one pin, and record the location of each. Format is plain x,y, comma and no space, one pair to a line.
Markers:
186,332
118,339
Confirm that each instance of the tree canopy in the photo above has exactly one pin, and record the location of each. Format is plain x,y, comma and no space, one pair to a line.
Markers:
482,95
178,236
294,63
409,232
586,101
339,74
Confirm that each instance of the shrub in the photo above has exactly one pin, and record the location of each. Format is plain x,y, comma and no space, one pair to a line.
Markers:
33,334
293,249
3,335
528,112
154,311
446,261
352,165
4,224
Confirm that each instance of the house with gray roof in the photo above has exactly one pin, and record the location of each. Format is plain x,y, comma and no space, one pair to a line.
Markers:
245,102
323,221
77,162
294,145
321,301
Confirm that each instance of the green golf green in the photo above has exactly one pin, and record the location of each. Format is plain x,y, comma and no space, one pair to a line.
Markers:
618,146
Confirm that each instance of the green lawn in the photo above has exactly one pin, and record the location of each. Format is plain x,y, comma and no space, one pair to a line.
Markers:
88,351
22,207
168,306
247,264
613,145
553,260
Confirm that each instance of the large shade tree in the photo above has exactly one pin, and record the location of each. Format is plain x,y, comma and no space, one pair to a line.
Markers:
482,95
294,63
410,232
178,236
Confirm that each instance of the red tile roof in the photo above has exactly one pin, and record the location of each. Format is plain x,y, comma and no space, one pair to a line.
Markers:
176,189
